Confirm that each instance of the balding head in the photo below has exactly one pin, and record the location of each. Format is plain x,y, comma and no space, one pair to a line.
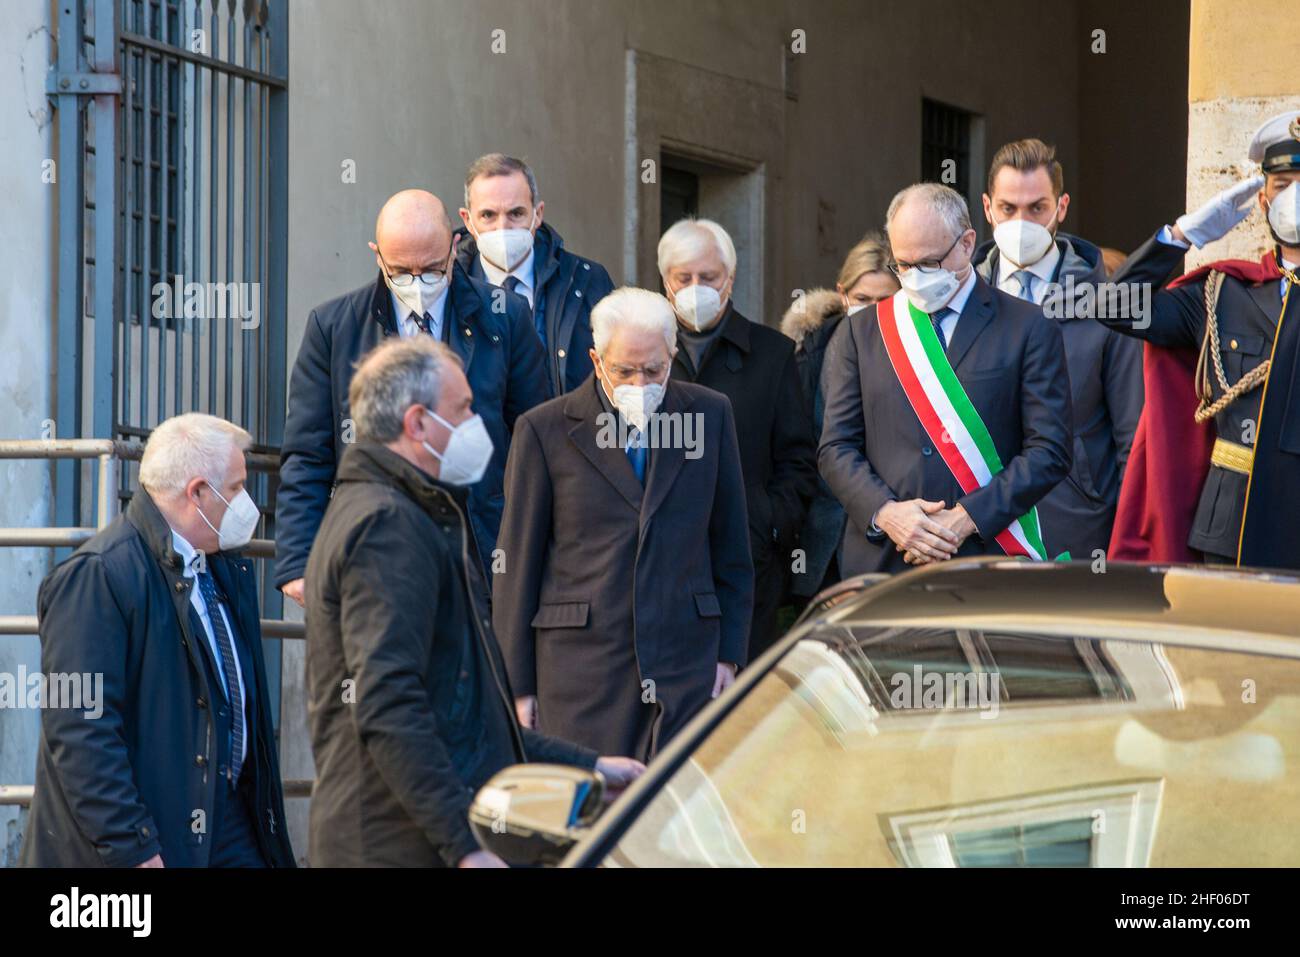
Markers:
928,222
412,233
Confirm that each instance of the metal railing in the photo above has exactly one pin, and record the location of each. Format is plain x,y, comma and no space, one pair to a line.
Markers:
111,454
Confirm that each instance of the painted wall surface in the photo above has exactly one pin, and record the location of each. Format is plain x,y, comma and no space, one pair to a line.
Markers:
26,356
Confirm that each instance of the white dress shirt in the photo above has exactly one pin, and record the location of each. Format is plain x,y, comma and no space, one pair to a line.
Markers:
406,324
523,272
1040,274
956,304
190,560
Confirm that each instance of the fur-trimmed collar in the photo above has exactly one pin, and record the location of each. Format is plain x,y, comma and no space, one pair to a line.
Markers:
810,312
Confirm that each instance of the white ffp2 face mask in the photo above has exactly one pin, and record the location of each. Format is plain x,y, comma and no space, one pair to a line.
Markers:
237,524
468,451
419,297
1284,215
636,403
1023,242
506,248
698,305
929,291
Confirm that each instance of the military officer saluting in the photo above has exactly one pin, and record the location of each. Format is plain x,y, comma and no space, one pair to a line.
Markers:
1215,469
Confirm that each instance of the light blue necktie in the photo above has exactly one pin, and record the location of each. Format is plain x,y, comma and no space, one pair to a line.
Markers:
1026,280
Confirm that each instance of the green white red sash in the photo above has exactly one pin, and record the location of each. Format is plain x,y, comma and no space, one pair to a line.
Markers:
946,413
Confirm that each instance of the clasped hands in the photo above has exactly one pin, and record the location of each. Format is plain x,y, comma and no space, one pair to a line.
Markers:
923,531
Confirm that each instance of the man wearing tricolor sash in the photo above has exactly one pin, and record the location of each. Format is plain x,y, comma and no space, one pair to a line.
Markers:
947,406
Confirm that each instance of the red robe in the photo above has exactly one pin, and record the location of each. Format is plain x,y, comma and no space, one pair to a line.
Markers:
1170,458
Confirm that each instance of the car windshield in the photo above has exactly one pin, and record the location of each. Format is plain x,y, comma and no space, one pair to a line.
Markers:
917,746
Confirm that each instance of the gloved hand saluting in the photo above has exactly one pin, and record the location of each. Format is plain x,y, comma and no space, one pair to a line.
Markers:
1216,218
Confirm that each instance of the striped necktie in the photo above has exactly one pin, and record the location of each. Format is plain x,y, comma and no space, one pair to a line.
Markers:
936,320
208,588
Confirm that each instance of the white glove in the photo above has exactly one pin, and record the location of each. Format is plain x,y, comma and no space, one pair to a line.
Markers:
1216,218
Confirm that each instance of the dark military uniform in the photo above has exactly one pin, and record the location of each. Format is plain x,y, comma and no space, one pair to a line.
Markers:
1248,324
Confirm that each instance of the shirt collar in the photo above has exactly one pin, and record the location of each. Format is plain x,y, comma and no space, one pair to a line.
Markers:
1043,269
523,272
958,302
188,553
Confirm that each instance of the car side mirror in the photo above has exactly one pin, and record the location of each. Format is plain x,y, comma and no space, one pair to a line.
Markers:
531,814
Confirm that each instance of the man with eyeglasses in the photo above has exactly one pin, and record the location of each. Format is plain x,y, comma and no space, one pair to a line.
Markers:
419,291
948,413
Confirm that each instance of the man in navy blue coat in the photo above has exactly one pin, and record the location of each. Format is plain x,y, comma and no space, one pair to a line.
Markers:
174,764
904,503
419,291
505,242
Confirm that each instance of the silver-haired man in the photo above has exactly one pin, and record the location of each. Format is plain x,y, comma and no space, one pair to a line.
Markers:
625,599
181,767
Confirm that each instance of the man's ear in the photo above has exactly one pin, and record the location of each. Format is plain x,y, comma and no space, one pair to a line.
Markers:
1065,205
411,420
540,209
988,208
464,216
193,487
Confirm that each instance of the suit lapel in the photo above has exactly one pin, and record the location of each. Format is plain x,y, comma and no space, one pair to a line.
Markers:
665,462
584,408
973,319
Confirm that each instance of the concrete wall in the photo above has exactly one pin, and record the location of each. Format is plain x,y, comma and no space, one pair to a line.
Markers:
26,355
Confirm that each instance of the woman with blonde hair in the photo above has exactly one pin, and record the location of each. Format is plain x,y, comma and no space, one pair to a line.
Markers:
810,321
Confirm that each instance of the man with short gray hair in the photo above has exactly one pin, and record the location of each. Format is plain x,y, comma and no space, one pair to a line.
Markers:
948,411
408,703
625,598
181,768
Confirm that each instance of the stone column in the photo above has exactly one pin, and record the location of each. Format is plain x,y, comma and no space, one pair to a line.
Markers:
1241,71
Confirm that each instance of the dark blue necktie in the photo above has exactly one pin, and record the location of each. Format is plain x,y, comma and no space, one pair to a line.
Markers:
936,320
637,454
512,284
208,588
424,322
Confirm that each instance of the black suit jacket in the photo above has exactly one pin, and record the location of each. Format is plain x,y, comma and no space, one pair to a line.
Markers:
1010,361
608,584
754,367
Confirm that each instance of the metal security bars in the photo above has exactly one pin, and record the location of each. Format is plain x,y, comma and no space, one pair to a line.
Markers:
173,204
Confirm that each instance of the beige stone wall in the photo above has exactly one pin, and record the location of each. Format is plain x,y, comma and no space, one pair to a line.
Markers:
1241,71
